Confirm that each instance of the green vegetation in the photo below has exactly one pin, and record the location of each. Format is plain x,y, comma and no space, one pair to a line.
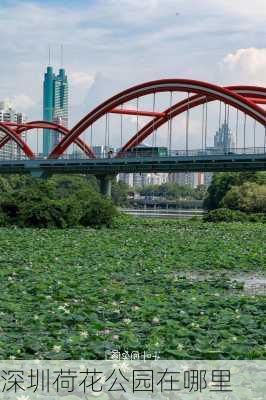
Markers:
223,182
119,193
236,197
248,197
227,215
60,202
155,285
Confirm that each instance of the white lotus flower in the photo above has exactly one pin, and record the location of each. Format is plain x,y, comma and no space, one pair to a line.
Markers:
57,349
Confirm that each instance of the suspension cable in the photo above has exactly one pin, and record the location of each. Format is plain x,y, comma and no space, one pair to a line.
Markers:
137,116
168,129
170,124
254,135
245,122
121,128
224,113
137,122
220,114
228,144
264,138
105,136
237,120
206,124
37,142
153,110
187,122
202,126
91,136
84,140
108,131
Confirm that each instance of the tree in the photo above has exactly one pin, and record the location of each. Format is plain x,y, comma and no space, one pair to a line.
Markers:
76,185
222,182
169,191
97,212
200,192
249,197
60,202
225,215
4,185
119,193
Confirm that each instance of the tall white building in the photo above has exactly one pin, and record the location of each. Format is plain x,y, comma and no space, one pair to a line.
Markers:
184,178
156,178
8,114
126,178
139,180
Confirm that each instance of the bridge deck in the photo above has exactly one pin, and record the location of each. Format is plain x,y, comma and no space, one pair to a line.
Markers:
112,166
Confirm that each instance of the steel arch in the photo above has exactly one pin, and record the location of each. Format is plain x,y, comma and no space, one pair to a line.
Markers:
179,85
12,134
48,125
249,92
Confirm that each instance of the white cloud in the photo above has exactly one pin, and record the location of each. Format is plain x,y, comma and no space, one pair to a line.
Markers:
81,78
246,66
22,102
254,8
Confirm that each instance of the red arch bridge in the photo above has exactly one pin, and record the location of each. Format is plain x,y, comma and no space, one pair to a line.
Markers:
168,125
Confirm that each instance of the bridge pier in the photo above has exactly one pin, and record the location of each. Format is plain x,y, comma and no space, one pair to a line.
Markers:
38,173
105,183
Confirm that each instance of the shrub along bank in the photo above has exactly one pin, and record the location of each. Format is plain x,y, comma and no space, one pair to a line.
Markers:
60,202
227,215
236,197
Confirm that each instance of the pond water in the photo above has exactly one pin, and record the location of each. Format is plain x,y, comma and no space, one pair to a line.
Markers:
253,284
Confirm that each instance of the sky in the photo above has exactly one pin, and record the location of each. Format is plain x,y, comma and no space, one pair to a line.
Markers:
112,44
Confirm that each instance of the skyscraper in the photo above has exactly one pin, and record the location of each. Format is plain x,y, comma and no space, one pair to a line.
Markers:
55,105
224,139
8,114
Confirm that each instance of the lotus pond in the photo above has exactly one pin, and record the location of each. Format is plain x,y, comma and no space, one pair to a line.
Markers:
172,287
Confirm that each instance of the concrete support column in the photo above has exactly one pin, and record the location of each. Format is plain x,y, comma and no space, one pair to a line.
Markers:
38,173
105,183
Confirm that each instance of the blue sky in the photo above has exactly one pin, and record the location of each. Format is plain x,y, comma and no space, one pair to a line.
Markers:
111,44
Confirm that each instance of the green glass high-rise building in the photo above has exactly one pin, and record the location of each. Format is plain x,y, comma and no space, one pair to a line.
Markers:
55,105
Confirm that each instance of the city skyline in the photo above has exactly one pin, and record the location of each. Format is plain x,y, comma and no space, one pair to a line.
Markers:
100,45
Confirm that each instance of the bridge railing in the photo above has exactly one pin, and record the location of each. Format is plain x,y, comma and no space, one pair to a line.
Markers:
146,152
190,153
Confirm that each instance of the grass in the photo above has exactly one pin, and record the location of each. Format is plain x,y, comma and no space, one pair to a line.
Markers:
71,294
